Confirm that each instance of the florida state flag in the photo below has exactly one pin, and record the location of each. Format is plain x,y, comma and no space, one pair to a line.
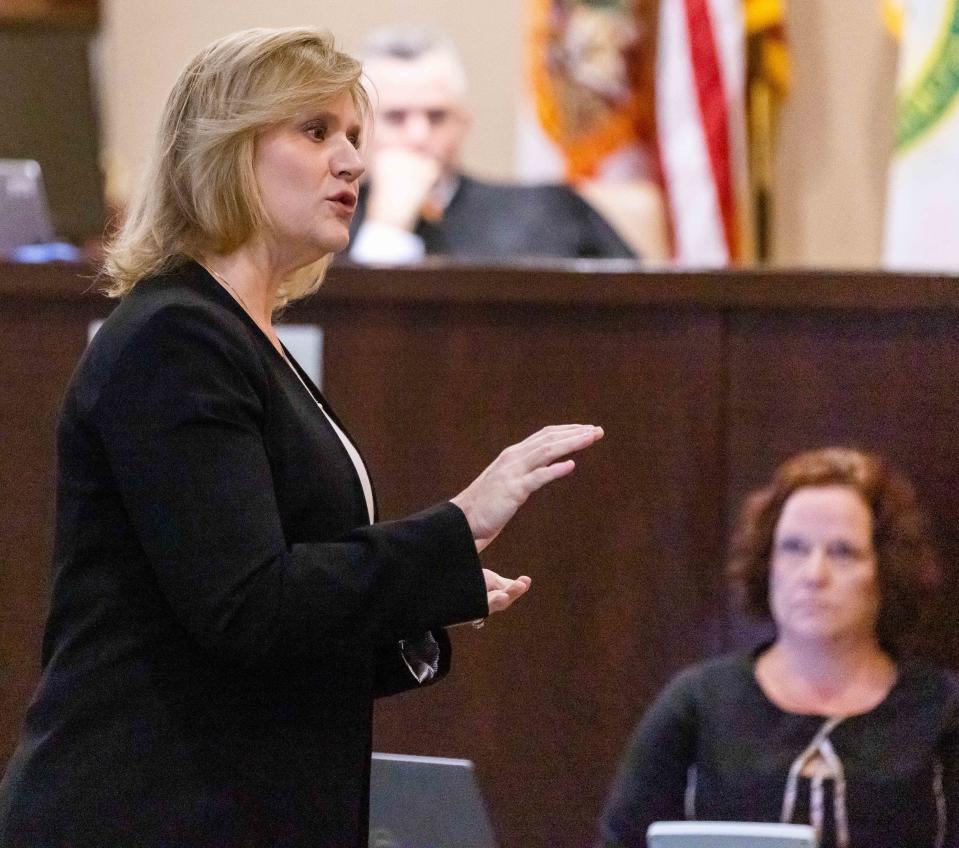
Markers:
657,89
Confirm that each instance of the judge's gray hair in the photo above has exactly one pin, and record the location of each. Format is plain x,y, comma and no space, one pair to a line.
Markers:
407,43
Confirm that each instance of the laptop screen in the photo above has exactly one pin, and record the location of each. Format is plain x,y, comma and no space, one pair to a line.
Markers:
702,834
426,802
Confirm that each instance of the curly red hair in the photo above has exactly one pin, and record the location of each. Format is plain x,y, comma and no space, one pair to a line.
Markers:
907,561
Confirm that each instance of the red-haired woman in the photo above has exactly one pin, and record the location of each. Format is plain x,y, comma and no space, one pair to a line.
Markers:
829,723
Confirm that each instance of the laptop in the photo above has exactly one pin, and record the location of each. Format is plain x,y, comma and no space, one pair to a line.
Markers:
426,802
24,214
701,834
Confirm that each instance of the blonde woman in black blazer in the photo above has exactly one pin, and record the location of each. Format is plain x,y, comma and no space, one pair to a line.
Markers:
225,605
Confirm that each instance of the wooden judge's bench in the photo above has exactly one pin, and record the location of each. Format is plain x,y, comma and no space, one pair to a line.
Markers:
703,383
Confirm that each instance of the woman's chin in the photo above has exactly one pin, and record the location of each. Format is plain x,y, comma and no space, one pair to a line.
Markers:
339,241
808,630
330,240
340,244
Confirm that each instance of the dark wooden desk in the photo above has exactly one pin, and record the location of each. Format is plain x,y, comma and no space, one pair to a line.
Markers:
703,383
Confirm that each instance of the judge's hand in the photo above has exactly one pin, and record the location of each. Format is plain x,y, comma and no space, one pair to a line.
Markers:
492,499
401,182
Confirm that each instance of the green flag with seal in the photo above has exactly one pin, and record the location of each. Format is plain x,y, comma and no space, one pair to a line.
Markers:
922,211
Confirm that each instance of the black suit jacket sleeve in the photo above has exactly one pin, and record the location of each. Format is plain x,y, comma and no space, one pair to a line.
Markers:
181,423
392,674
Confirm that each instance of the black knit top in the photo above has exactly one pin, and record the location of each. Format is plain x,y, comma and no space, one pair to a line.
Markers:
714,747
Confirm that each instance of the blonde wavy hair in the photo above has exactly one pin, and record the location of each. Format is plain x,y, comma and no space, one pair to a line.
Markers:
199,193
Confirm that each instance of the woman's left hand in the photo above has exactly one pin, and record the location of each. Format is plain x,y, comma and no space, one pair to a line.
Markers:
493,498
501,591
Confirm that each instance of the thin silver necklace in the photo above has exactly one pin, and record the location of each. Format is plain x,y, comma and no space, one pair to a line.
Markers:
277,346
239,299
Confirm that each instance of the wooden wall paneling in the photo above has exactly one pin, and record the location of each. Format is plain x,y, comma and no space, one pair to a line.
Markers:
543,699
50,115
703,381
39,347
49,11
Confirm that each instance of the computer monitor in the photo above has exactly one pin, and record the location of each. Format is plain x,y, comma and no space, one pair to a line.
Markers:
702,834
426,802
24,215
